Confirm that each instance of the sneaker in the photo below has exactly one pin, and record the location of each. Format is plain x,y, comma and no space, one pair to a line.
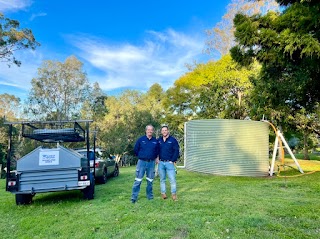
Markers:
164,196
133,201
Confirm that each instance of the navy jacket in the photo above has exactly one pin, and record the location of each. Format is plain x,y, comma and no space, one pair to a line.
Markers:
146,149
169,150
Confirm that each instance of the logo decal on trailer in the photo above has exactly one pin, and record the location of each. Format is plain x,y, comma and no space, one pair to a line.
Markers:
48,158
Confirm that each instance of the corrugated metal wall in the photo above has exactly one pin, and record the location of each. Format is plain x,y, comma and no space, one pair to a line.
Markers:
227,147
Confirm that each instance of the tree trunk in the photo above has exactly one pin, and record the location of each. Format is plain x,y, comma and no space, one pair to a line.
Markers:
305,146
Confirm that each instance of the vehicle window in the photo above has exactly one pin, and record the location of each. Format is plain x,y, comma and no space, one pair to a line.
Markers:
84,153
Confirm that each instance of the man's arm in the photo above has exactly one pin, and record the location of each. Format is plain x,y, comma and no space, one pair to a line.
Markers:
137,147
157,152
176,151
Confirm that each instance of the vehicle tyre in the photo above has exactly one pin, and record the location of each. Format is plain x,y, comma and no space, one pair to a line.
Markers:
104,177
88,192
116,171
23,199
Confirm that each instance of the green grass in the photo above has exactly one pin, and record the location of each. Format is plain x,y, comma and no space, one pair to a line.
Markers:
301,156
208,207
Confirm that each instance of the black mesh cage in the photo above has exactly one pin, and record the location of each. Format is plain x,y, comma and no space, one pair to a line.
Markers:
55,131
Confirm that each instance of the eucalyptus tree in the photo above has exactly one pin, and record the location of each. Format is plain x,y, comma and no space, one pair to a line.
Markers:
9,106
12,39
59,90
220,38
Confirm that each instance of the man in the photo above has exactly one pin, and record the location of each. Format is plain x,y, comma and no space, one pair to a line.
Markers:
147,150
168,155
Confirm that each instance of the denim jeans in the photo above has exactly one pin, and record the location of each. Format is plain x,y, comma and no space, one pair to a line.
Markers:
164,169
142,168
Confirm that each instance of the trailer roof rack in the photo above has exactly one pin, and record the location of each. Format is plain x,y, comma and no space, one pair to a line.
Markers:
53,131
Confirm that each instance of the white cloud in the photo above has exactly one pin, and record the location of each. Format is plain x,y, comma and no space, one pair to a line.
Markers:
14,5
35,15
161,58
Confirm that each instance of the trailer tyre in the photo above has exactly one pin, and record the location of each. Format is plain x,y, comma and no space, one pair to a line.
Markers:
23,199
88,192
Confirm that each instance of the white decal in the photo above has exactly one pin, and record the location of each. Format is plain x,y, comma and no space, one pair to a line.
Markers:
48,158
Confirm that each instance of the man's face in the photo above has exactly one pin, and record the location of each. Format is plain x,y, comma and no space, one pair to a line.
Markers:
149,131
164,131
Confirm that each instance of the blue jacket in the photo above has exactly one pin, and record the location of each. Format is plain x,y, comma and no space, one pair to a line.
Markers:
146,148
169,149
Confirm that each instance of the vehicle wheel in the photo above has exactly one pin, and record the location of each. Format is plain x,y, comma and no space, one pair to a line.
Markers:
23,199
88,192
104,177
116,171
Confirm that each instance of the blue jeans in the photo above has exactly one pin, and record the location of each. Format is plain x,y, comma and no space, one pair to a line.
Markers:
142,168
164,169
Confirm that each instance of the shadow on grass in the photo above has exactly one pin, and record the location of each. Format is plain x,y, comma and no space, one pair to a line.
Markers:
58,197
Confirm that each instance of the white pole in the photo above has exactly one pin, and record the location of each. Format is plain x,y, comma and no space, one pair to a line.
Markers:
274,154
290,152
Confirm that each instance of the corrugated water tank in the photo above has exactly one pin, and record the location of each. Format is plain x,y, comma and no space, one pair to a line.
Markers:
227,147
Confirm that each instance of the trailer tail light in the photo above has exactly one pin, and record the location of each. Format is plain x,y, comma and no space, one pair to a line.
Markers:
96,165
11,183
83,177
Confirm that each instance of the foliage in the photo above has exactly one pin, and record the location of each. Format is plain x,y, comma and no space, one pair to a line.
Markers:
208,207
128,115
221,36
218,89
9,105
94,106
9,110
12,39
59,90
3,142
287,45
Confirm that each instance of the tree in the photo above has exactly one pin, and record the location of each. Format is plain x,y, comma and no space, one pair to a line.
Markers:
94,107
152,101
221,37
127,116
59,90
306,124
3,143
13,39
217,89
9,106
287,45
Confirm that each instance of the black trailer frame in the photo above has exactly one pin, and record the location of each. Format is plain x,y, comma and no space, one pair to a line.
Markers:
56,133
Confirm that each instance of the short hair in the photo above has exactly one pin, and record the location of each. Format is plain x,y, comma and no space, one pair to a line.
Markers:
165,126
149,125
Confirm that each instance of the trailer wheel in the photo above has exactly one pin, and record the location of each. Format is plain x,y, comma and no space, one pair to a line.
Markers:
23,199
88,192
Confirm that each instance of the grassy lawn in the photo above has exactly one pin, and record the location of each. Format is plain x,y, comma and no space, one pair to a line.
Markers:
301,156
208,207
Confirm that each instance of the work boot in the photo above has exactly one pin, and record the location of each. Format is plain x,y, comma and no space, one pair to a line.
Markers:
164,196
174,197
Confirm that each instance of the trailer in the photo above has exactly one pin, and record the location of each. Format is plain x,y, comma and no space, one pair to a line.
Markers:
50,167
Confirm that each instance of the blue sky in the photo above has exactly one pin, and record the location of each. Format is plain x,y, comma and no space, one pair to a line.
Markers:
123,44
